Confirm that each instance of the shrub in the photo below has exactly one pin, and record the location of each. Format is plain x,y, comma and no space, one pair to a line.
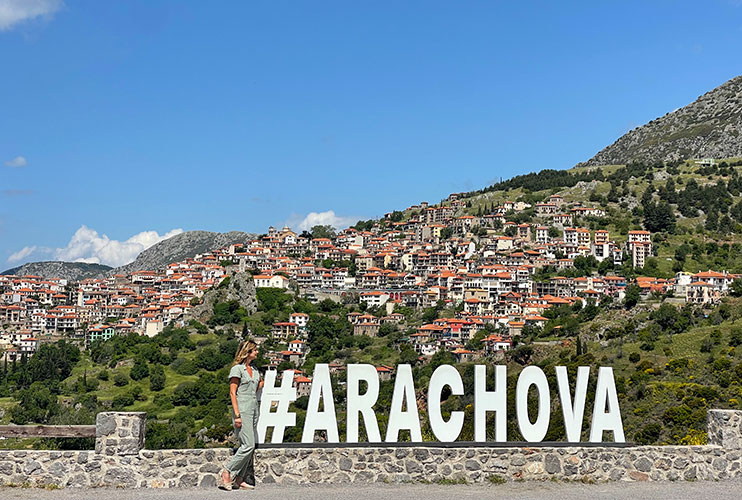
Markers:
157,378
122,401
120,379
706,345
139,370
184,366
648,434
678,365
735,338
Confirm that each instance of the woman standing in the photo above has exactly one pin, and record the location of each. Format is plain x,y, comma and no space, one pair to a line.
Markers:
244,382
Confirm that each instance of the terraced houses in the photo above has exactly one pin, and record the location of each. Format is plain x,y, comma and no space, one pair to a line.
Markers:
485,265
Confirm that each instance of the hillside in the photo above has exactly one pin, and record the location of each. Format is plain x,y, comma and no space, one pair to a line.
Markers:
71,271
709,127
684,204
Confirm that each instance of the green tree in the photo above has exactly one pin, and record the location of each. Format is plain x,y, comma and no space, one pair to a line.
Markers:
53,362
157,378
120,379
139,370
323,231
633,293
659,217
475,343
408,355
521,354
665,317
37,404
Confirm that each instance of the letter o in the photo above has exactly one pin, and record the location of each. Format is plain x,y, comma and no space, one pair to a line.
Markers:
532,432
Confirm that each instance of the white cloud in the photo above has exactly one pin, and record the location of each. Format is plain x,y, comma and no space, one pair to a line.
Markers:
18,161
327,218
13,12
21,254
86,245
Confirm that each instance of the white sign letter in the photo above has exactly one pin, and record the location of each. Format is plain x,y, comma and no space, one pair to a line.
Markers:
485,401
404,391
325,419
442,376
362,404
573,414
605,392
532,375
283,396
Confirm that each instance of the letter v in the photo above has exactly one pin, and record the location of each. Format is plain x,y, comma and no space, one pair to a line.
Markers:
573,414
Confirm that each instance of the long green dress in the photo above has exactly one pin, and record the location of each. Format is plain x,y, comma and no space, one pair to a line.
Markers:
243,460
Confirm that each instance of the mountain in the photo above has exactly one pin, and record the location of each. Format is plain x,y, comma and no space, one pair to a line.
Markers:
709,127
174,249
71,271
180,247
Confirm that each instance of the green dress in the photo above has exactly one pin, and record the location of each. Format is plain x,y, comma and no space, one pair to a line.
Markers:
243,460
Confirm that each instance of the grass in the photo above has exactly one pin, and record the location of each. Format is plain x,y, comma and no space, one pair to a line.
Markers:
445,481
5,404
107,390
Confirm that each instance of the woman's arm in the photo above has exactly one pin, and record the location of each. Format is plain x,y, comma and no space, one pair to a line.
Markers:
234,382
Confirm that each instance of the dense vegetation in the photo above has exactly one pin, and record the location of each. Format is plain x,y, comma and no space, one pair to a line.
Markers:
672,364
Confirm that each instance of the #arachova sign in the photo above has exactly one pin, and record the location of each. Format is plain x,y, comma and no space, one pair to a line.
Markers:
403,414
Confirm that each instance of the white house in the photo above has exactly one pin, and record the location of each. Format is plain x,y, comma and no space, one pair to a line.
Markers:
270,281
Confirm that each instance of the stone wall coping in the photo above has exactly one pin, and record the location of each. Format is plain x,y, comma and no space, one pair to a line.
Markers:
453,444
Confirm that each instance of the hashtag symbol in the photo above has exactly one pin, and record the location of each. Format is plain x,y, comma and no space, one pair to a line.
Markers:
282,395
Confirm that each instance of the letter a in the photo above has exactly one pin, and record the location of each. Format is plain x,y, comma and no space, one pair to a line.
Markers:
404,391
605,392
321,420
362,404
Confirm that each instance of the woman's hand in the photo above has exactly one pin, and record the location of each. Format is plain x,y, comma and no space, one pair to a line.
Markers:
238,422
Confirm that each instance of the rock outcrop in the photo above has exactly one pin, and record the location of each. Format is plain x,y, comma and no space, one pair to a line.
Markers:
240,287
709,127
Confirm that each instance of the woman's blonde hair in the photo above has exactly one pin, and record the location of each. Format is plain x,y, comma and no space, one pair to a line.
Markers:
243,351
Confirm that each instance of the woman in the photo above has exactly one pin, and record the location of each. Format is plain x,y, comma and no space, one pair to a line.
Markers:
244,382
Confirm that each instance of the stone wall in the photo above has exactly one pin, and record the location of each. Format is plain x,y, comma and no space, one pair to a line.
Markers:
119,460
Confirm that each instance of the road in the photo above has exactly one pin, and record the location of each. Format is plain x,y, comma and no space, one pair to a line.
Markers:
526,490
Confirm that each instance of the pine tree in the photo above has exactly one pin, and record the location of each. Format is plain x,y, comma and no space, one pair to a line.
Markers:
712,220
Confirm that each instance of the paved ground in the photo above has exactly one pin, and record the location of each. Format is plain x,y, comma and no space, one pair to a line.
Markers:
557,491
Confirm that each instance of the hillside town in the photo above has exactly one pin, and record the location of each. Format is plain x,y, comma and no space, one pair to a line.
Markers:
485,266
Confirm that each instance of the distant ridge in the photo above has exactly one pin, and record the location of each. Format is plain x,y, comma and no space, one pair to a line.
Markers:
709,127
71,271
158,256
180,247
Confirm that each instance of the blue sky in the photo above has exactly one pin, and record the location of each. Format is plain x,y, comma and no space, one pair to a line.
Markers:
121,122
